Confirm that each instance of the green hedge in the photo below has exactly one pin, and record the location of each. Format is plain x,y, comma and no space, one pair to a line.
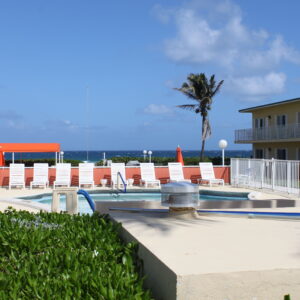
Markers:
50,162
159,161
163,161
58,256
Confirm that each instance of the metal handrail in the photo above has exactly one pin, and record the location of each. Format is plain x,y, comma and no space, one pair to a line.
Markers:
124,184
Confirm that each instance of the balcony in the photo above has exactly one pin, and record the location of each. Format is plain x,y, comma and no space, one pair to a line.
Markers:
290,132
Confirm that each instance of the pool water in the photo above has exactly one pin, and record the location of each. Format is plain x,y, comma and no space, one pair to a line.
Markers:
84,207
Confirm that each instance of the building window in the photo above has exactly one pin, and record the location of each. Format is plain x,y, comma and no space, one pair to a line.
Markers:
298,118
281,120
259,123
259,153
281,154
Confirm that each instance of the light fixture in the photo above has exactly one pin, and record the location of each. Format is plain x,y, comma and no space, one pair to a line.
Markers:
223,144
145,153
62,156
150,153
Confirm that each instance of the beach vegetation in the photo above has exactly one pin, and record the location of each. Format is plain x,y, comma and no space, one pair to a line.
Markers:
163,161
61,256
49,161
201,90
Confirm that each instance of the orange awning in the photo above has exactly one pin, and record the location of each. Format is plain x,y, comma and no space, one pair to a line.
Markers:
30,147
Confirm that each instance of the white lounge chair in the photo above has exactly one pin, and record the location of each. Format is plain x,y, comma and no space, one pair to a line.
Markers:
16,175
148,175
176,172
40,175
86,174
63,175
118,168
208,174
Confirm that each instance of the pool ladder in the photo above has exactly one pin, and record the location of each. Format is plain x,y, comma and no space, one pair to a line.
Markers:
116,192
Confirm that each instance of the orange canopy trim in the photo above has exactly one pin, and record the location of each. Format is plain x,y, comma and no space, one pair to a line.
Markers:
30,147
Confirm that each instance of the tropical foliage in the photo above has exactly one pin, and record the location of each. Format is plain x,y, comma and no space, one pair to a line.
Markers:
201,90
58,256
163,161
50,161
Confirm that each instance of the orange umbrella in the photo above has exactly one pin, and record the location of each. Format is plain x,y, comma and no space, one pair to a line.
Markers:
179,157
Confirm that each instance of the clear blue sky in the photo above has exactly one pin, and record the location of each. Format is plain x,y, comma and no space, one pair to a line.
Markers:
131,54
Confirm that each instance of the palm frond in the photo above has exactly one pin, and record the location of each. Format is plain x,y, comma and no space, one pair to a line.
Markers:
188,92
217,88
190,107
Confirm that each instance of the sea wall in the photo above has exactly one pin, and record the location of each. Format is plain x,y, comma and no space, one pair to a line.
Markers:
162,173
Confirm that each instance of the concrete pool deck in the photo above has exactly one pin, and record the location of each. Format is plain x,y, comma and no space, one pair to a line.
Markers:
209,258
215,257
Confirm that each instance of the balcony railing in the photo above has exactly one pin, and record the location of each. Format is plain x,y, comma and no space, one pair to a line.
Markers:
291,131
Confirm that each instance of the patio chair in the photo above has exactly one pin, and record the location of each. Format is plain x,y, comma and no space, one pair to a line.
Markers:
40,175
176,172
86,174
208,174
16,175
148,175
116,170
63,175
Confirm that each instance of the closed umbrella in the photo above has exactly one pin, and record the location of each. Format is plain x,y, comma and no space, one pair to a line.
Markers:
2,159
179,157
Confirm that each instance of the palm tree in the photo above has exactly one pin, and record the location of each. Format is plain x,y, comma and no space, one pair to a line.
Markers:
201,90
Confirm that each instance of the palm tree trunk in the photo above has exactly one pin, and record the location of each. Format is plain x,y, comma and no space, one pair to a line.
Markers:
203,140
202,150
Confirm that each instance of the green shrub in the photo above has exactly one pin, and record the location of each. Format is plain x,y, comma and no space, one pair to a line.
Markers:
163,161
50,161
58,256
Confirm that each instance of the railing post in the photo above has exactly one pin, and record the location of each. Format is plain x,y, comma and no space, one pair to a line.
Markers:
237,171
249,173
262,168
288,175
273,173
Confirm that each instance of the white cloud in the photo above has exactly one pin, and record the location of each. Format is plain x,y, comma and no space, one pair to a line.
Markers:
229,43
61,125
11,119
255,88
161,13
158,109
10,115
215,34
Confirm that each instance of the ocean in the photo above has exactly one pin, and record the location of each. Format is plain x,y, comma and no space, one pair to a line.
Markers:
94,156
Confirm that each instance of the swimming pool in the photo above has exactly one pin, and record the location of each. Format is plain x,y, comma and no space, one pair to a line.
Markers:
84,207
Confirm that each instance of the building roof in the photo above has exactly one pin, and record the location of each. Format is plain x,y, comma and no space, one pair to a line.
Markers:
250,109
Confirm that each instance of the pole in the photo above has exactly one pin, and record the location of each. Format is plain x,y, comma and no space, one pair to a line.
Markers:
223,157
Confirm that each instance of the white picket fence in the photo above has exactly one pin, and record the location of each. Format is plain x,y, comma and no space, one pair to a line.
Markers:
272,174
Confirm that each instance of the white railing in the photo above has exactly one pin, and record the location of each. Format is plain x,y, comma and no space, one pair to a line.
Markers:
290,131
272,174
